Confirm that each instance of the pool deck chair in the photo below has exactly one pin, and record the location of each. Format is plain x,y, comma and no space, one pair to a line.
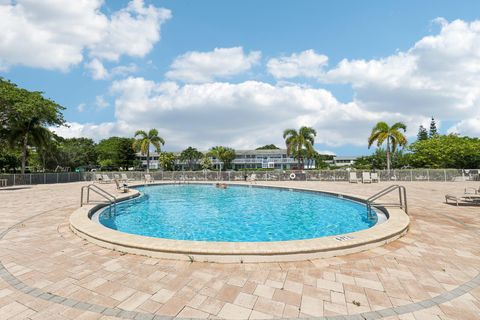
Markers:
464,199
252,178
98,178
106,179
352,178
375,177
125,177
149,178
122,187
366,177
472,190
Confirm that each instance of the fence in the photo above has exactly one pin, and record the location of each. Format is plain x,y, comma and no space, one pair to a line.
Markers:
444,175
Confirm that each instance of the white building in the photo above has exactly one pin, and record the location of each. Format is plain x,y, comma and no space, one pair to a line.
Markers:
342,161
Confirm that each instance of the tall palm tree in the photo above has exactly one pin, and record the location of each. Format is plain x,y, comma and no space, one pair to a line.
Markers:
300,143
383,132
224,154
143,142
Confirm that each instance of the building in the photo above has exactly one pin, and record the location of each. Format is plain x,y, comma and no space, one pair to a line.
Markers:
342,161
245,159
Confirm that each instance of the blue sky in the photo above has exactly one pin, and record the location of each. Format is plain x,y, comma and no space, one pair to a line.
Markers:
389,72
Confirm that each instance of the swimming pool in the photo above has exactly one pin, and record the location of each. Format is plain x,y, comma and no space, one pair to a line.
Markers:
236,214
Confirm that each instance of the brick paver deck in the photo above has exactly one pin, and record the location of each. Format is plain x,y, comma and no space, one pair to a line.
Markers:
50,273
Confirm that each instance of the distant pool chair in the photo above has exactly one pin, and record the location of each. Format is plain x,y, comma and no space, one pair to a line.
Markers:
366,177
122,187
352,178
252,178
149,178
106,179
98,178
374,176
125,178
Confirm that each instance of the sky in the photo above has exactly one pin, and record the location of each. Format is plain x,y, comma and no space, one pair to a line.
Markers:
239,72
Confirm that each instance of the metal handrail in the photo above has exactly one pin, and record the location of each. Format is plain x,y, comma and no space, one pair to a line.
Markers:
101,192
402,198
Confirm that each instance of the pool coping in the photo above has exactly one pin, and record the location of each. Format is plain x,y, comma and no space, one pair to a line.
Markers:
234,252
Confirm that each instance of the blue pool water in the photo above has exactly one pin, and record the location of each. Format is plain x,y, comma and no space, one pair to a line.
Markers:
238,214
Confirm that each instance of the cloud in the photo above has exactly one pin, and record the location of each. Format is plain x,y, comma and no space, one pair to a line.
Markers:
304,64
99,72
242,115
55,34
467,127
437,76
81,107
100,102
199,67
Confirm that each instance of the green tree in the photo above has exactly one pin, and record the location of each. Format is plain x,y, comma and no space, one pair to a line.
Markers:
422,133
116,152
433,129
446,151
300,143
191,156
224,154
10,158
143,142
25,117
268,147
167,161
76,152
206,163
392,135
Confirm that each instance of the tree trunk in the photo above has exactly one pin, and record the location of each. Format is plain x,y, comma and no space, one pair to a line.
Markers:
388,155
148,159
24,152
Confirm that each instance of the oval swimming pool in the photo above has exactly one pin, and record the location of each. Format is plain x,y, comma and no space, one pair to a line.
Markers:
236,214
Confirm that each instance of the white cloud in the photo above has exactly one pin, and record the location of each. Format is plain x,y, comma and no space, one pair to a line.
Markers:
304,64
243,115
198,67
81,107
97,70
438,76
54,34
467,127
100,102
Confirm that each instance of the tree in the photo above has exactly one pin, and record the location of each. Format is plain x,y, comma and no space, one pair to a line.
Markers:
268,147
10,159
422,133
224,154
446,151
300,143
383,132
433,129
76,152
116,152
190,155
206,163
167,161
143,143
25,116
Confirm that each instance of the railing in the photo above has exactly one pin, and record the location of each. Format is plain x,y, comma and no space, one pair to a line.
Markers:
111,199
402,199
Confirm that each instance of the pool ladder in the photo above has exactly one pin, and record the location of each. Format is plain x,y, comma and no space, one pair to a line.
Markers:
110,198
402,199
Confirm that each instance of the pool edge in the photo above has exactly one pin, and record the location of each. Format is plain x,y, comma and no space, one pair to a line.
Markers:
238,252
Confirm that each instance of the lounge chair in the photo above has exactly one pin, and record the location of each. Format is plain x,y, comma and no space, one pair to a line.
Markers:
106,179
125,177
366,177
472,190
98,178
353,177
149,178
252,178
122,187
116,176
465,198
375,177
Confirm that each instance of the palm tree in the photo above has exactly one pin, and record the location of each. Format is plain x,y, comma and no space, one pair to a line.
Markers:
191,156
142,144
300,143
224,154
383,132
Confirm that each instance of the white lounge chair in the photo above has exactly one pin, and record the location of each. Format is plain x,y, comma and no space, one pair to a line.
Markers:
125,177
149,178
366,177
465,198
106,178
122,187
98,178
375,177
352,178
252,178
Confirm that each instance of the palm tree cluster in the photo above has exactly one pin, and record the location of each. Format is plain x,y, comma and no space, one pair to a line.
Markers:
300,143
393,136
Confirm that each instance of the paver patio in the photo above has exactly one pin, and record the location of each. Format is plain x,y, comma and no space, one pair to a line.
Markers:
50,273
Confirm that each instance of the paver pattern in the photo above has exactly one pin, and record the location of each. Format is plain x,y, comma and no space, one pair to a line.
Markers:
435,265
